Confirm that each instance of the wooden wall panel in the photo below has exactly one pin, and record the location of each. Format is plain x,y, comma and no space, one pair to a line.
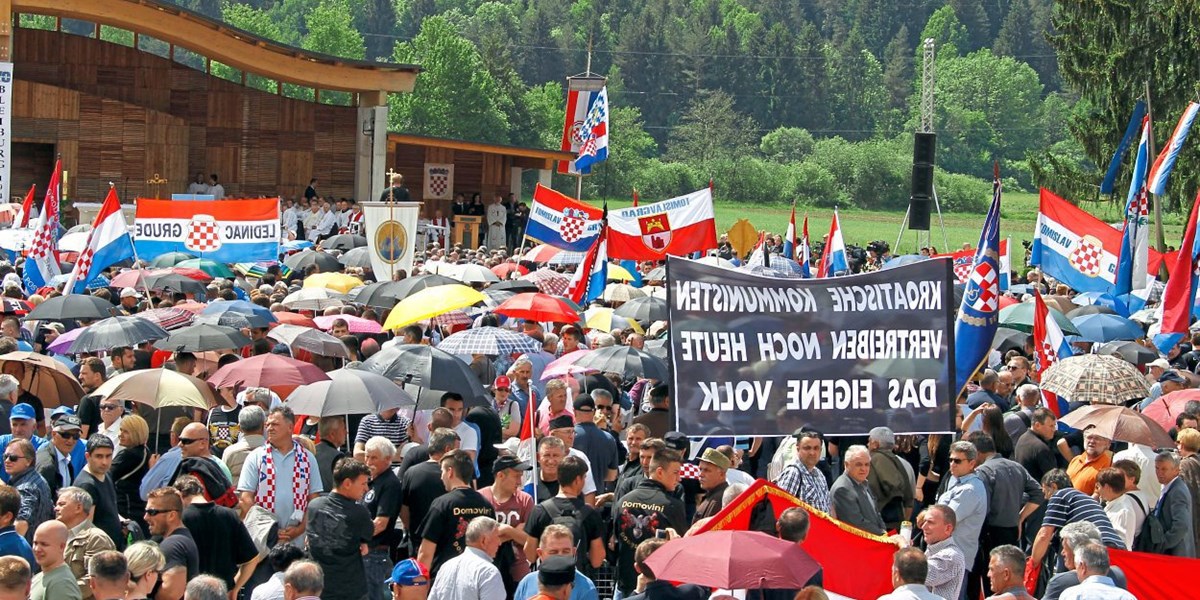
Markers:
136,114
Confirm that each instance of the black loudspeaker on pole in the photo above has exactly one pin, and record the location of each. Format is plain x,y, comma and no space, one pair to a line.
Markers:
921,199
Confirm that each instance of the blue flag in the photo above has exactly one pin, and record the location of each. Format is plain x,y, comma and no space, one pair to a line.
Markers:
979,313
1110,177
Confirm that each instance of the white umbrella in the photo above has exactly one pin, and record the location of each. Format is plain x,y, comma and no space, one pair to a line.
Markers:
473,273
73,242
717,261
313,298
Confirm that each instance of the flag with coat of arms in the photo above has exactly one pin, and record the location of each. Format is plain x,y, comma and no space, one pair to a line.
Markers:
594,134
1049,347
979,313
42,263
108,243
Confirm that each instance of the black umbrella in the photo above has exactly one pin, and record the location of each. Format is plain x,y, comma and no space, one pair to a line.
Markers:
234,320
1009,339
203,337
344,242
71,306
326,263
643,310
625,361
658,348
1131,352
375,294
1091,309
171,259
431,370
407,287
513,285
116,332
174,282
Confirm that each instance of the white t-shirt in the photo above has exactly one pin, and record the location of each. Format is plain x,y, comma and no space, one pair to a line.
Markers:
467,438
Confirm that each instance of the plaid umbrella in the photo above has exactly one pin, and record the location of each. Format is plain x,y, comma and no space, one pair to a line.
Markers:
1095,378
492,341
567,258
452,318
168,318
549,281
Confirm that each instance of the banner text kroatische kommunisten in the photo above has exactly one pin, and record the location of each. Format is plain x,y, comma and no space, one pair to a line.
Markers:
756,355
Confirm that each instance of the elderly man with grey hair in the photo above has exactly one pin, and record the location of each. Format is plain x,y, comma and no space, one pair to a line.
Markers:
8,399
987,394
472,574
891,479
250,423
303,579
850,495
1091,566
206,587
1018,420
1077,535
383,503
967,496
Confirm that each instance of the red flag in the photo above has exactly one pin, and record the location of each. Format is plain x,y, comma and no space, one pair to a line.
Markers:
1180,293
27,206
635,197
527,422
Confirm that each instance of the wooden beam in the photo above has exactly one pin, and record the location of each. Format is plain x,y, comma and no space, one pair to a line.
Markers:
497,149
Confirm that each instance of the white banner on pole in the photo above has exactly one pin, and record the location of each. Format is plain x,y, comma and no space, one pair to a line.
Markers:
391,231
6,113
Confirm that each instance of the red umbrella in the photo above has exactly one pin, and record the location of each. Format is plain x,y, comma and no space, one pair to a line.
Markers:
537,307
541,253
192,306
189,272
734,560
505,270
1006,301
269,371
1165,408
129,279
292,318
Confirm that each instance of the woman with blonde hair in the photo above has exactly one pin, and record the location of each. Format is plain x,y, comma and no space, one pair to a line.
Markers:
129,466
146,563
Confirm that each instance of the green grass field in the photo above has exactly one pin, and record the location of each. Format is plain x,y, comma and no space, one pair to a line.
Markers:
1018,214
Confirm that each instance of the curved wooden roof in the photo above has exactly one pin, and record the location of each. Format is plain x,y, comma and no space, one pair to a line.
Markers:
230,45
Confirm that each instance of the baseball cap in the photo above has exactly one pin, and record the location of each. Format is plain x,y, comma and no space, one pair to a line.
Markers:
562,422
1160,363
711,455
583,401
22,411
1171,376
676,441
409,572
130,293
502,381
503,463
57,327
60,411
67,423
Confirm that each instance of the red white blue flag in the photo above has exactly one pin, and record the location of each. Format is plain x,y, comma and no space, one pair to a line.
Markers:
1180,293
1135,236
1049,347
108,244
592,273
594,134
42,263
1166,159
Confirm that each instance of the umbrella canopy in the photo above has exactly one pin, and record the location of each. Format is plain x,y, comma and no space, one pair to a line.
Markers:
356,324
338,282
116,332
344,242
349,392
473,273
1107,328
656,274
549,281
1131,352
170,259
62,344
621,292
202,337
1060,303
71,306
506,269
396,291
130,278
232,319
1009,339
658,349
624,360
1102,299
492,341
189,272
452,318
1090,309
538,307
565,365
209,266
48,379
1145,316
602,318
75,241
567,258
1166,408
1020,317
618,273
292,318
1119,423
541,253
313,299
716,261
313,340
902,260
267,370
325,262
259,316
168,318
734,560
430,302
1096,379
428,368
356,257
515,286
158,388
644,310
174,282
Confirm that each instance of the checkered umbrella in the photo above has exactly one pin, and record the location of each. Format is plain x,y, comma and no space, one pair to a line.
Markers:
168,318
452,318
492,341
313,299
549,281
116,332
1095,378
566,258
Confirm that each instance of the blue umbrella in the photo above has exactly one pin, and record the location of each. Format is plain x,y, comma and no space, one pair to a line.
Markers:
1102,299
1107,328
259,316
296,245
904,259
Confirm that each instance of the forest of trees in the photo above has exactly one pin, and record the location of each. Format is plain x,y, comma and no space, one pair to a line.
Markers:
811,100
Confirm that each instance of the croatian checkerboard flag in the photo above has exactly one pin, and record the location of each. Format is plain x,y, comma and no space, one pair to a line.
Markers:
833,260
561,221
108,244
42,263
594,134
1049,347
1180,294
592,273
1166,159
1135,239
979,313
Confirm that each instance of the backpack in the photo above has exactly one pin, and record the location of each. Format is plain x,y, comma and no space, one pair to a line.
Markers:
571,518
1151,536
217,488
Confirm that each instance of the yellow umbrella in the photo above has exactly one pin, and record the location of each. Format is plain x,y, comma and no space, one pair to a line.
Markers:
603,319
338,282
431,302
619,273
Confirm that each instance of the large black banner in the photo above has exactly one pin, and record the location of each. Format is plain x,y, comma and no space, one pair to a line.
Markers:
764,356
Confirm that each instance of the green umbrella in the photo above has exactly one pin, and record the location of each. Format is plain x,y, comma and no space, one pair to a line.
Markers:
209,266
171,259
1020,317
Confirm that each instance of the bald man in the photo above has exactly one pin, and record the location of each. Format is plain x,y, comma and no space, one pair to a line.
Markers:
56,581
194,443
